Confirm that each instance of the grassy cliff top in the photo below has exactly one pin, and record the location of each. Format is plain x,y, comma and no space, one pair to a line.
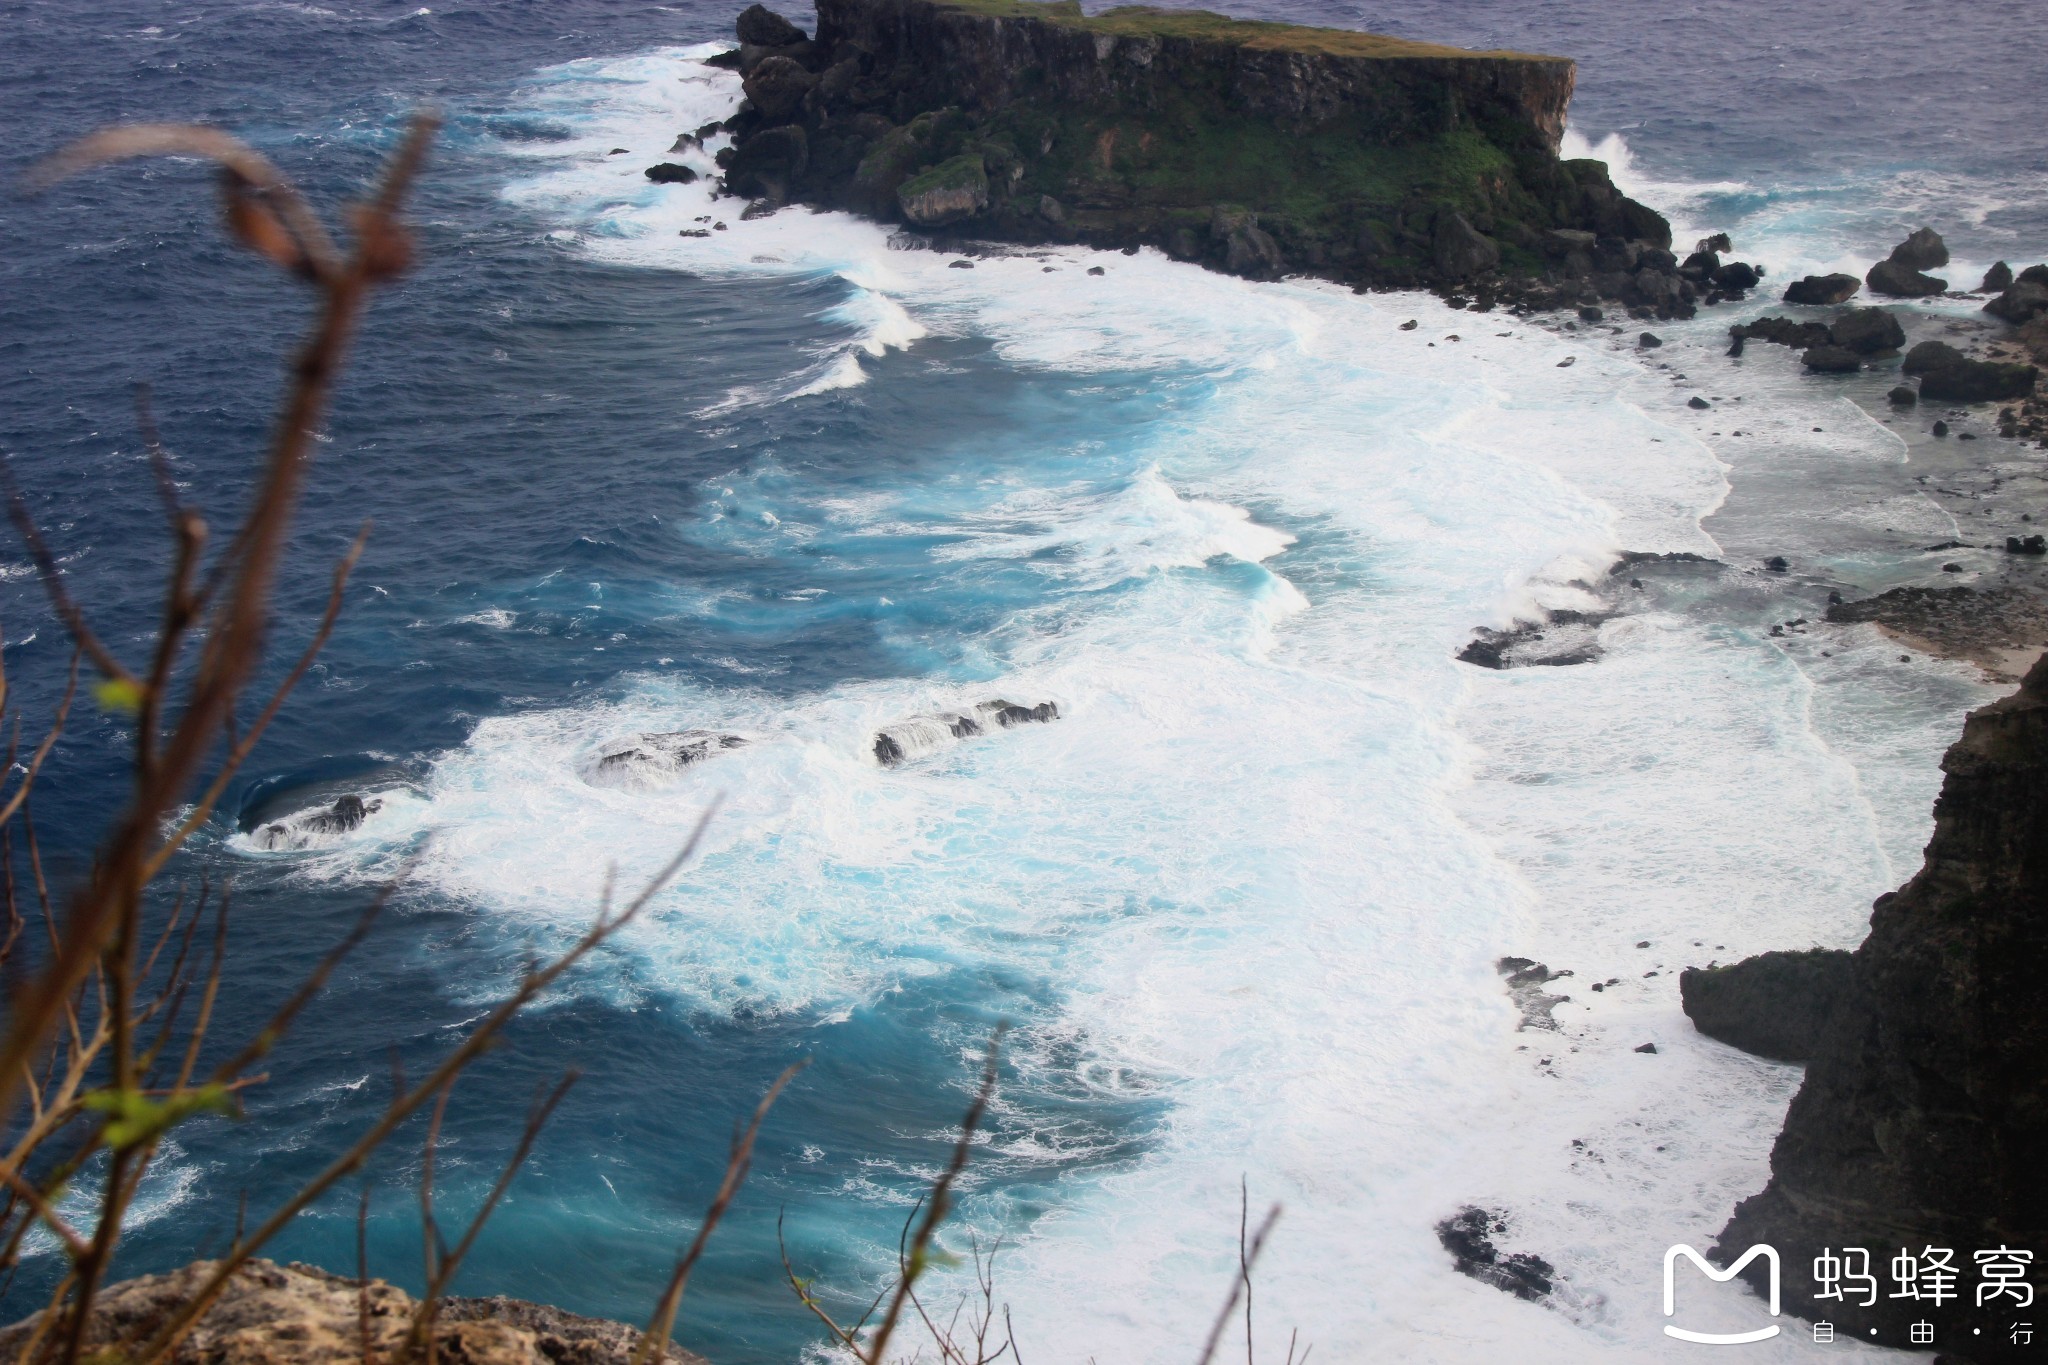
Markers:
1138,21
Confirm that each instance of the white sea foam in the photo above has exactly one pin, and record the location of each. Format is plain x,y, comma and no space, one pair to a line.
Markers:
1272,848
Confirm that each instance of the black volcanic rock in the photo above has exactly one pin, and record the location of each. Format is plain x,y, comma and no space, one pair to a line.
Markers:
1867,330
1923,250
1902,281
1924,1113
1823,289
2022,300
1370,160
1774,1005
1996,279
1832,359
670,173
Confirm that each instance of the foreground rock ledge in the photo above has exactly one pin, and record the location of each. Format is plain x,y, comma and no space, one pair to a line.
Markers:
1923,1120
302,1315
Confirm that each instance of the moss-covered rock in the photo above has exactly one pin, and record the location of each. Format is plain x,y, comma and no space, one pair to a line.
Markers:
954,189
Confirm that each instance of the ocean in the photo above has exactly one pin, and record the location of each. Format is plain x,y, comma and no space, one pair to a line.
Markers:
1241,904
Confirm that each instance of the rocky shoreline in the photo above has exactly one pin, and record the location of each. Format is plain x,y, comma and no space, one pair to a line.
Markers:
1258,149
295,1314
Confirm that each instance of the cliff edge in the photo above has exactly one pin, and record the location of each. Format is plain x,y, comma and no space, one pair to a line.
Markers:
1256,148
1922,1124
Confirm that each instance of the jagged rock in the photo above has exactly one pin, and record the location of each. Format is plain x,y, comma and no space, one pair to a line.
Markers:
1461,250
1785,332
2023,300
1832,360
1737,277
762,27
2026,545
669,173
1698,403
1562,639
1867,330
1925,1105
767,163
309,829
1923,250
654,758
1996,279
777,86
1775,1005
1902,281
948,192
1468,1235
1823,289
301,1315
920,735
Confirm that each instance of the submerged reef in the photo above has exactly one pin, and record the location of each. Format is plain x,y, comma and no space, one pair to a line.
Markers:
1255,148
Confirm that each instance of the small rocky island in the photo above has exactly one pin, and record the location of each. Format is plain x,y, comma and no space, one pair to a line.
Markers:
1259,149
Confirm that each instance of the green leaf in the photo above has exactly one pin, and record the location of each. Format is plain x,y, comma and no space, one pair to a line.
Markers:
119,694
133,1118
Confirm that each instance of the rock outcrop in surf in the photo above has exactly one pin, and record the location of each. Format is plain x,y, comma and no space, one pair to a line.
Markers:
920,735
1254,148
317,826
1924,1112
654,758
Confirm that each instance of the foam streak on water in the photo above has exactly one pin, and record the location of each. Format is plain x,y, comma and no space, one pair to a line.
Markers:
1267,857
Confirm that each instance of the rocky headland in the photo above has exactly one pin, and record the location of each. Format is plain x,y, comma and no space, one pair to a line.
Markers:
1259,149
1923,1118
272,1314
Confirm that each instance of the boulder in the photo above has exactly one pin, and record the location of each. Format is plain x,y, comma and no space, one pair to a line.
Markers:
1924,250
1996,279
1978,381
1902,281
1785,332
777,87
1460,250
763,27
669,173
952,190
1867,330
1902,396
1774,1005
1737,275
1931,355
2022,301
1832,360
1822,289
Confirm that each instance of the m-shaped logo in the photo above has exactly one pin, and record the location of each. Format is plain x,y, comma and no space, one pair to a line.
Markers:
1769,1254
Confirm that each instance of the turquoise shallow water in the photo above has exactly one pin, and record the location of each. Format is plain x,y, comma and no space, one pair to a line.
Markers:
1240,903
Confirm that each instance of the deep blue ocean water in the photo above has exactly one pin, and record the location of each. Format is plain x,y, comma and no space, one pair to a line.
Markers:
616,492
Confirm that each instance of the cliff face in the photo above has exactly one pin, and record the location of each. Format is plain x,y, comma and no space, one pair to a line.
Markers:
1256,148
1923,1120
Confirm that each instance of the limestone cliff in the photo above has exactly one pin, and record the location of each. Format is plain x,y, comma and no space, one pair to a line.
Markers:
1923,1119
1258,148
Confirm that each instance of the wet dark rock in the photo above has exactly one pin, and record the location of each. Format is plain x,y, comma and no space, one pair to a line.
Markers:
1777,564
1902,282
1867,330
1823,289
1941,428
762,27
1923,250
1650,1048
1832,359
655,757
1902,396
1931,355
920,735
768,163
310,828
2026,545
1737,277
1949,375
1526,979
1591,314
1649,341
1773,1005
777,86
1985,625
1632,559
2022,301
1468,1235
1697,402
1924,1107
1409,325
1996,279
1785,332
669,173
1562,639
